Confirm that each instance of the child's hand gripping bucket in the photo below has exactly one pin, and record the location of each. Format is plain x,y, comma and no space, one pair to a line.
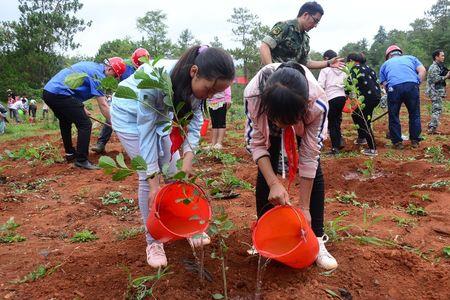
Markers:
283,234
204,128
180,210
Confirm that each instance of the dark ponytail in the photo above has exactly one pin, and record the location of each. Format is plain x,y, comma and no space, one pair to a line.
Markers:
213,64
285,94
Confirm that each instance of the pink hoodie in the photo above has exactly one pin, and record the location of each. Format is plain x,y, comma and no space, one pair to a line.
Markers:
312,128
332,81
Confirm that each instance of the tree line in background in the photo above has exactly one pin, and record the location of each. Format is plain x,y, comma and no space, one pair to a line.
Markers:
32,48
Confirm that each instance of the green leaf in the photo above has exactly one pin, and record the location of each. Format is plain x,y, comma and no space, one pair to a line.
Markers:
108,84
179,107
138,164
180,175
121,161
125,93
144,59
446,251
179,164
106,162
332,293
75,80
217,296
150,84
167,128
168,101
121,174
140,74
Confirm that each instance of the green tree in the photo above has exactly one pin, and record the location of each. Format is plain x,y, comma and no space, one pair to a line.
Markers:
248,31
376,52
32,45
185,40
358,47
118,47
154,26
216,42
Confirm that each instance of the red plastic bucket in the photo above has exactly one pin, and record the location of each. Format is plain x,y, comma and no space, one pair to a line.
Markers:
180,210
204,128
283,234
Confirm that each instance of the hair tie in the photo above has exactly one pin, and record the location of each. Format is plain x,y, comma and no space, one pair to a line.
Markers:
202,48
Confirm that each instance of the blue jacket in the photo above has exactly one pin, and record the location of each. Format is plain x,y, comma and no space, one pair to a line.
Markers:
128,72
87,90
400,69
136,117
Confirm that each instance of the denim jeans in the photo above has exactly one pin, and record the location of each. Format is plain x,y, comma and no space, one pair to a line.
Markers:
407,93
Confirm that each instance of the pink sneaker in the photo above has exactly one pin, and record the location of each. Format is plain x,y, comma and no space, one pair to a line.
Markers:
199,240
156,257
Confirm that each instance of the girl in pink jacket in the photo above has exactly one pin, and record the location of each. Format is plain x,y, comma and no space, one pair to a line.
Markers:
285,99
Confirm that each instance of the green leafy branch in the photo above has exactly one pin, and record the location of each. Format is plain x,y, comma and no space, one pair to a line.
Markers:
118,167
356,99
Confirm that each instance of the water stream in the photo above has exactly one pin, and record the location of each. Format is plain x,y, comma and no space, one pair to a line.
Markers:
259,275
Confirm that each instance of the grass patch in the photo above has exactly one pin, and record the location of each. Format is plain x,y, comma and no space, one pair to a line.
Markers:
404,222
83,237
129,233
414,210
8,233
115,198
18,131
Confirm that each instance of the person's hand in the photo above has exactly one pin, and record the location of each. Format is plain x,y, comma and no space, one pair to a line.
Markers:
307,215
187,163
448,75
228,105
278,195
88,113
337,62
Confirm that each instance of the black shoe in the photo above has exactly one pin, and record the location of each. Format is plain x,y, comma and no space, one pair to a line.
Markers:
398,146
98,148
360,141
334,151
70,157
86,165
342,144
414,144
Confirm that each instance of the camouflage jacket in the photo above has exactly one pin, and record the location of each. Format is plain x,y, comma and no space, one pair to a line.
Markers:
287,42
436,80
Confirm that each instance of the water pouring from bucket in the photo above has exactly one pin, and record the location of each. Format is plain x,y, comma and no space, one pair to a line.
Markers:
180,210
283,234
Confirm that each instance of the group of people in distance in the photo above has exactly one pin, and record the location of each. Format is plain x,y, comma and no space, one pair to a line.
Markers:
283,102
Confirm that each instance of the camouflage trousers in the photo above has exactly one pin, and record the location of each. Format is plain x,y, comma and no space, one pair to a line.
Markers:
436,110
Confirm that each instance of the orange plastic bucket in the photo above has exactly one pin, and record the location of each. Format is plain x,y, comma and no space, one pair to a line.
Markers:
204,128
283,234
180,210
350,105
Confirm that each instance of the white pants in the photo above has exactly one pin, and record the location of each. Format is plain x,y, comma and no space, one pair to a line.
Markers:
131,144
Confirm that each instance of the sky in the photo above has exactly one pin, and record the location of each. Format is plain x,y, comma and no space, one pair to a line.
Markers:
344,21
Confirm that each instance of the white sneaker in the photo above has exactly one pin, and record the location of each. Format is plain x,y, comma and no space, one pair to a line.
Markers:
156,257
199,240
217,147
324,259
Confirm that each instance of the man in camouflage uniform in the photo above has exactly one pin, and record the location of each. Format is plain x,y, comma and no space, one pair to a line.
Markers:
289,40
437,74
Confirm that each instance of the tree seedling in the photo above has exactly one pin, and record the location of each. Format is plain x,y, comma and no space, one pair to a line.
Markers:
220,227
143,287
414,210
